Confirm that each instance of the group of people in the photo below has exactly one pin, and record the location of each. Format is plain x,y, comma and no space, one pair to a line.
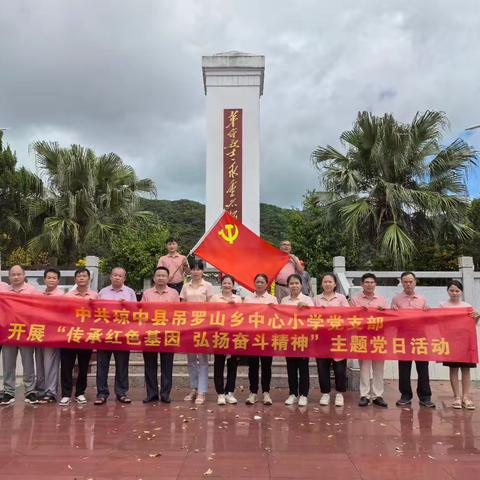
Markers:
44,367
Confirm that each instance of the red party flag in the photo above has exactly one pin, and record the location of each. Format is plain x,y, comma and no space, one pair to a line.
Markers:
235,250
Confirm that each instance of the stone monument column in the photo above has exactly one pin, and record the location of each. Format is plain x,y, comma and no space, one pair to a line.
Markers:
233,84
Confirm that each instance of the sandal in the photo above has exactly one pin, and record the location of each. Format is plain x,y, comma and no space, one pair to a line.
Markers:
457,403
100,401
124,399
191,396
200,400
468,405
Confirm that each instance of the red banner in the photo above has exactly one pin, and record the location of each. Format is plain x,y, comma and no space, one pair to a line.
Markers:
234,249
241,329
232,161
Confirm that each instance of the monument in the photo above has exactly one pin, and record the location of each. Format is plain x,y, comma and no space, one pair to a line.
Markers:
233,85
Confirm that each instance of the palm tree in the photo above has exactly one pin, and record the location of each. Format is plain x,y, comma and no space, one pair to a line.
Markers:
17,189
88,197
396,183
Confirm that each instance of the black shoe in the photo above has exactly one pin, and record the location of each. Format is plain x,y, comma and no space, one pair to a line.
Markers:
427,403
380,402
151,400
31,398
7,399
165,399
364,402
403,402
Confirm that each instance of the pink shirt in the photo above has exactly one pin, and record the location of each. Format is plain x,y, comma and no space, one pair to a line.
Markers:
166,295
201,293
88,295
287,270
460,304
403,301
174,263
3,287
370,302
56,292
288,300
25,289
338,300
221,299
123,293
266,298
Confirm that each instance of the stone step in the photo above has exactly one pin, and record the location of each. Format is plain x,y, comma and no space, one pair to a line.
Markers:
181,379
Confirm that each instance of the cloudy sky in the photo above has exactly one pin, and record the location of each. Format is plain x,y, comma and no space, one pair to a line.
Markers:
125,76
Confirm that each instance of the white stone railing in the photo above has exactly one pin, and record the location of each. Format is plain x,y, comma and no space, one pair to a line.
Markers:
348,282
35,277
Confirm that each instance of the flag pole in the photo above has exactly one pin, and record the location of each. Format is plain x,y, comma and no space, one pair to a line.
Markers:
206,233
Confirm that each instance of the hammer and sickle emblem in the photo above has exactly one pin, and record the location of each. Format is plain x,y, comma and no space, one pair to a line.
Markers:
231,235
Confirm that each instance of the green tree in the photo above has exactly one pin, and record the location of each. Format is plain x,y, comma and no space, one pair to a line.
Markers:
88,197
137,250
17,188
395,184
316,244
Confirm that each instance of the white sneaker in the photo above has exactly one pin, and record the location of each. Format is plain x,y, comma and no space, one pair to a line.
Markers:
229,397
302,401
64,401
221,400
291,400
191,396
267,399
339,400
81,399
325,399
252,399
200,400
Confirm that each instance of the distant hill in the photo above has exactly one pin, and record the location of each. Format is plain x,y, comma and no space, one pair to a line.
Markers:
186,220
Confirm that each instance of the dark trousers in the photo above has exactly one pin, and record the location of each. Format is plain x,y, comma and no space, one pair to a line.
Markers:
423,382
67,363
339,370
298,376
177,286
121,372
218,369
151,373
253,367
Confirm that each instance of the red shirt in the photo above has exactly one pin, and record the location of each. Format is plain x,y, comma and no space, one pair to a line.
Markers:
56,292
88,295
166,295
403,301
174,263
374,301
338,300
25,289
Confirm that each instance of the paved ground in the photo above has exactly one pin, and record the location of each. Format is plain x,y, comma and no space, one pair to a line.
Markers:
179,441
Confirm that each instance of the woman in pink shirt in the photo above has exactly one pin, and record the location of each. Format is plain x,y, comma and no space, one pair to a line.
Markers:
197,290
331,298
455,292
225,391
260,295
297,367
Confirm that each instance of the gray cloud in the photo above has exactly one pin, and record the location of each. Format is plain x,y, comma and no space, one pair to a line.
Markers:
126,77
